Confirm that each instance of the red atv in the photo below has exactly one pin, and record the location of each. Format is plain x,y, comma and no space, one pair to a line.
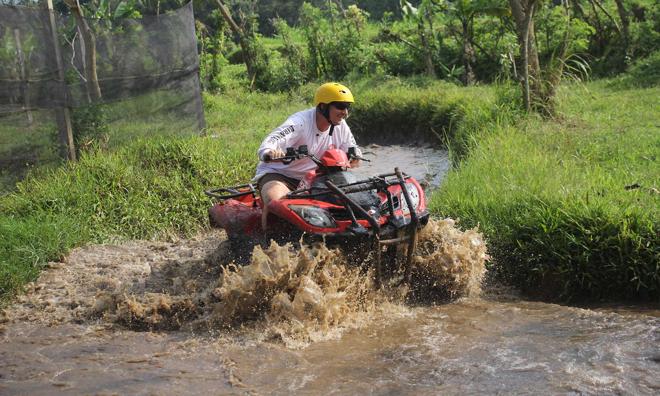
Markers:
330,204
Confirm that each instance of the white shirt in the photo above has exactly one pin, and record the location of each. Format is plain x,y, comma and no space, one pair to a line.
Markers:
300,129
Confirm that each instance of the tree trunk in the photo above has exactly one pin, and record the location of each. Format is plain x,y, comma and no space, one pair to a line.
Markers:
625,27
243,41
93,88
62,113
427,49
468,54
578,9
523,11
600,39
556,68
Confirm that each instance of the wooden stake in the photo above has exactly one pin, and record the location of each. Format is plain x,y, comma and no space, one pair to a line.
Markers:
62,113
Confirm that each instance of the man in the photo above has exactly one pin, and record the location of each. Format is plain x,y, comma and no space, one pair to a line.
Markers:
320,128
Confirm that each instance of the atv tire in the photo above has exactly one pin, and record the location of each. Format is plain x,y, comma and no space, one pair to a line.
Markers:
240,249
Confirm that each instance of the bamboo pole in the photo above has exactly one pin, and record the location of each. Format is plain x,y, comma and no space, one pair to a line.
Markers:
62,113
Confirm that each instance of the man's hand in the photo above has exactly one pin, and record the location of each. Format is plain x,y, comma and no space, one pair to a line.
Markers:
270,155
355,163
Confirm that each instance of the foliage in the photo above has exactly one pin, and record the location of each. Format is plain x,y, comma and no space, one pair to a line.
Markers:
90,126
643,73
335,42
569,212
293,73
212,44
439,113
454,40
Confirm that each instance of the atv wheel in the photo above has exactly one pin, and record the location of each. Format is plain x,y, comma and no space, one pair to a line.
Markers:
240,248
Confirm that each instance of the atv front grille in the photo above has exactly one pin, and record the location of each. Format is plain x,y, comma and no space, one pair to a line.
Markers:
343,214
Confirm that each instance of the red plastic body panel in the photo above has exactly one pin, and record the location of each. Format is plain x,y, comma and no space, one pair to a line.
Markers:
335,158
240,215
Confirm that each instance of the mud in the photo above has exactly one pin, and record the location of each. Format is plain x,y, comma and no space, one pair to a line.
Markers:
293,295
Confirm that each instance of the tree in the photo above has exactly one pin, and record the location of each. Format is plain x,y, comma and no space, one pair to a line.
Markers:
89,40
539,85
625,27
466,11
422,18
254,55
523,12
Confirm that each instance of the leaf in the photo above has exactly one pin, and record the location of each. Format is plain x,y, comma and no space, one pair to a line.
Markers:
408,9
123,9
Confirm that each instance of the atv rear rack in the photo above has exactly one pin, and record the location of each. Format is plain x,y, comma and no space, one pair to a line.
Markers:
232,192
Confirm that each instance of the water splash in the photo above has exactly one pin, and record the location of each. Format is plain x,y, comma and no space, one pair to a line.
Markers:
297,296
449,261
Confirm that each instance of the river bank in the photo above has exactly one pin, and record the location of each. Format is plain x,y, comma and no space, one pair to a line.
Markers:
570,207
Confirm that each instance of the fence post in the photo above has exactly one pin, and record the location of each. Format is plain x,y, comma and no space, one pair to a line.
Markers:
62,113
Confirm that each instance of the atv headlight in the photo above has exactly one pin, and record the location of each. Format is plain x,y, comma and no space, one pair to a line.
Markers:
315,216
414,198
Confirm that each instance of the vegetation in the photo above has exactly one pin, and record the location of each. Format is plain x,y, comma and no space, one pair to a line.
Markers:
570,207
569,210
150,188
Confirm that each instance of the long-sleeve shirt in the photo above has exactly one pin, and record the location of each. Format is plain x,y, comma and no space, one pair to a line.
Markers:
300,129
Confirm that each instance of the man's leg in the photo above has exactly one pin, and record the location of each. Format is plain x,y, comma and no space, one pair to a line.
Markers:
270,191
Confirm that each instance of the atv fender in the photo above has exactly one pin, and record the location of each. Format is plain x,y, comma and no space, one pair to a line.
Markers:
236,218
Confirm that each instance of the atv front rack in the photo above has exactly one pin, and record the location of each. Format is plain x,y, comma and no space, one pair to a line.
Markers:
379,183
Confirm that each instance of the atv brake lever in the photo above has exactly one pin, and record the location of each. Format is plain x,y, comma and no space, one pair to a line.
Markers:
355,157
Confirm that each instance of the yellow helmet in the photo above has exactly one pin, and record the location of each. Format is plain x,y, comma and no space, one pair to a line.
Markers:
333,92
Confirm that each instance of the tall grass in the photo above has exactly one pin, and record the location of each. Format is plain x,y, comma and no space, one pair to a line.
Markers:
570,207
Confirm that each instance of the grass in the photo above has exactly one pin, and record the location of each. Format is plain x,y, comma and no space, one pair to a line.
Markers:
550,195
151,188
570,207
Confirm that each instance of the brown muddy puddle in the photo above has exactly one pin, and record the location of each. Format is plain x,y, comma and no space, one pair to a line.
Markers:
167,318
425,163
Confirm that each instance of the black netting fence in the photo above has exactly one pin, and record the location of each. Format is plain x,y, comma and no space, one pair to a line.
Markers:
146,83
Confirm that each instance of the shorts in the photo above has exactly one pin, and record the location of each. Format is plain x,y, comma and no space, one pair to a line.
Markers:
290,182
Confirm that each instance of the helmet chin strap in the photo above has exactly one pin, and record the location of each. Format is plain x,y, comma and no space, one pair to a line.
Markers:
326,113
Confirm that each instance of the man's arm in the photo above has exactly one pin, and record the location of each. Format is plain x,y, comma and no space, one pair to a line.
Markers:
278,140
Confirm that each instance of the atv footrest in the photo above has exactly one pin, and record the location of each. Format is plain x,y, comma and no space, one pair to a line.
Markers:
394,241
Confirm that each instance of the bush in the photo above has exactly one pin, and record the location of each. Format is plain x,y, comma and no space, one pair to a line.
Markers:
644,73
90,126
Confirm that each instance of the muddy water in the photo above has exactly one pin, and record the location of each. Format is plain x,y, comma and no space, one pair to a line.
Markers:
426,164
164,318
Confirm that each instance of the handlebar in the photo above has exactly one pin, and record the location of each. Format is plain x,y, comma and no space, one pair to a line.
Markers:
302,152
352,155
